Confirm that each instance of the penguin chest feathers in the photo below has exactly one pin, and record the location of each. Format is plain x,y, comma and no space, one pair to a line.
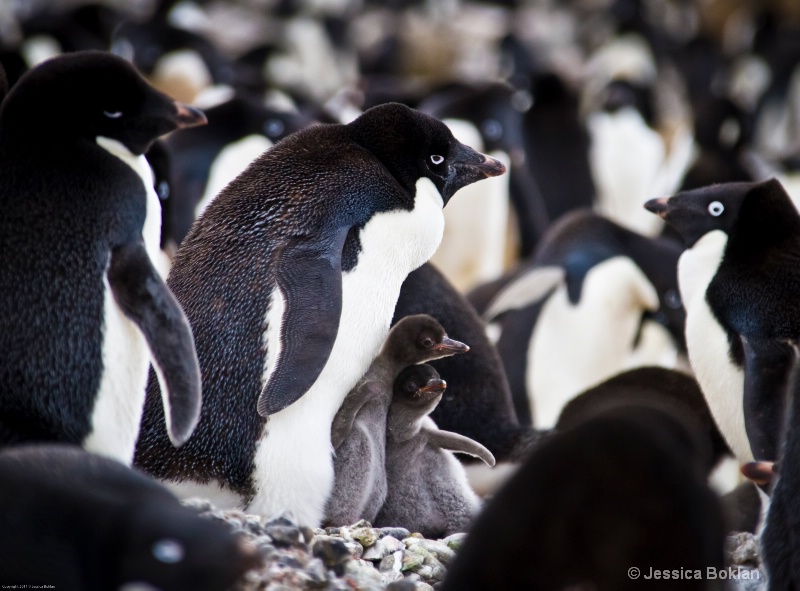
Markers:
120,398
721,380
293,463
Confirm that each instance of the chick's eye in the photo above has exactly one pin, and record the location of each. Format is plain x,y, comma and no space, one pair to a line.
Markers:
436,159
716,208
427,343
411,387
113,114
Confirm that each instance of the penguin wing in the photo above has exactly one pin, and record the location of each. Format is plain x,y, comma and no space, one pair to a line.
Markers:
527,289
147,301
770,369
458,443
346,416
309,278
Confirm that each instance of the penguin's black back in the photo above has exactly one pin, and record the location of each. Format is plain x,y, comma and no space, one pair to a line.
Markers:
58,225
614,493
224,272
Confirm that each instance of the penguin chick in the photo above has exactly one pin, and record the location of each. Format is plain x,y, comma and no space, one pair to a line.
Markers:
428,490
81,522
289,280
358,432
618,492
738,279
83,310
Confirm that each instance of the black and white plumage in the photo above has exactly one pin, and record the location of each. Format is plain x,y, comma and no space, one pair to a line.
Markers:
738,280
289,280
596,298
82,308
358,433
82,522
428,490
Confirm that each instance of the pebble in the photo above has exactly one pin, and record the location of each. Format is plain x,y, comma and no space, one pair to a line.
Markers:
360,557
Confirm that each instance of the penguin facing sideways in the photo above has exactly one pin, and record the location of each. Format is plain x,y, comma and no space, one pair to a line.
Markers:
638,499
358,433
478,401
596,298
289,280
81,522
738,280
428,490
82,308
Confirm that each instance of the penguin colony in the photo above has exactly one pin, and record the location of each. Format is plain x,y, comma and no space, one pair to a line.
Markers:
216,222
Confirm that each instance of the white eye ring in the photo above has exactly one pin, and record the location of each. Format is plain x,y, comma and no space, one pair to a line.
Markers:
168,551
716,208
436,159
113,114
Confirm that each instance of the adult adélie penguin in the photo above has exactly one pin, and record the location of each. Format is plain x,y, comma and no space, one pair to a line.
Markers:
739,279
83,311
289,280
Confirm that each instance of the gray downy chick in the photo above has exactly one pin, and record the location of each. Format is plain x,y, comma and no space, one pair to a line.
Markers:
358,433
428,490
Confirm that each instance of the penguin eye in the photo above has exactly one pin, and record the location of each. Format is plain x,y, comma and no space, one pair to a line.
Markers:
716,208
427,342
113,114
411,387
436,159
168,551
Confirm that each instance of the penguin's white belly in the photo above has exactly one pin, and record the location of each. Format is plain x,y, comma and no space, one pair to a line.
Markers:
119,401
720,379
626,177
574,347
293,462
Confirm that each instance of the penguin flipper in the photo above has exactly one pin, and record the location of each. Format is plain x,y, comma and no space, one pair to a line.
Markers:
458,443
346,415
525,290
147,301
770,369
309,277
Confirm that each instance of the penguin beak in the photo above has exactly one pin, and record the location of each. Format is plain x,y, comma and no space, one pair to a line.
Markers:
187,116
432,389
449,346
659,206
469,167
761,473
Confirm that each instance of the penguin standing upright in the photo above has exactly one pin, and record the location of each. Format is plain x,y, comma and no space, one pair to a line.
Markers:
83,311
358,433
428,490
739,279
80,522
289,280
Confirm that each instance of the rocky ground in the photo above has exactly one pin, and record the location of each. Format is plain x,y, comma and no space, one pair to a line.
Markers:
362,558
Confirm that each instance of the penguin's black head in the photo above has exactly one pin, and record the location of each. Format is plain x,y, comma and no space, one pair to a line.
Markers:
84,95
170,547
420,338
763,208
413,145
418,385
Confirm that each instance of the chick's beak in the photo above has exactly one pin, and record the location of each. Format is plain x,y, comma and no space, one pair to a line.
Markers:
449,346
